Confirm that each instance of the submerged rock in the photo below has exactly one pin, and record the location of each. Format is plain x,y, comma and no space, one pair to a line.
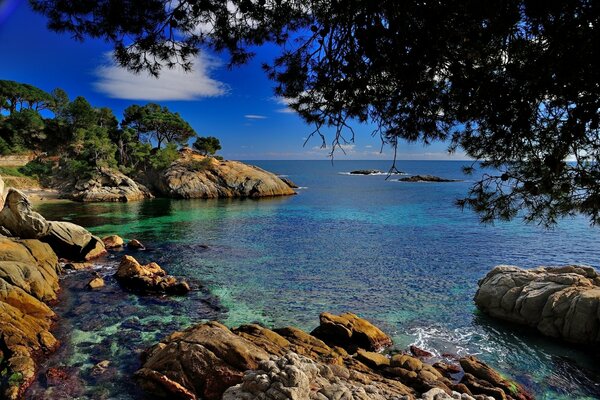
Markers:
350,332
197,176
109,185
211,362
426,178
149,278
560,302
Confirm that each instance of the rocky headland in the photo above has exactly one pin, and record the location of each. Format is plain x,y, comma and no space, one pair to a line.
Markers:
30,248
559,302
338,360
197,176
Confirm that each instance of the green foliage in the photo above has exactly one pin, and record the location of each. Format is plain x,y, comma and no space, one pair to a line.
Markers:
207,145
37,169
15,96
157,124
513,84
198,165
164,157
11,171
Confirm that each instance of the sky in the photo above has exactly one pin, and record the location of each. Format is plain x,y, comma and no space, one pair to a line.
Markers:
237,106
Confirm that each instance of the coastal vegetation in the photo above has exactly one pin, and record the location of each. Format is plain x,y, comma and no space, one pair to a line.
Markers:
75,139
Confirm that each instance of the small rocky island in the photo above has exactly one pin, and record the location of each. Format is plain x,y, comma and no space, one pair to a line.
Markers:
426,178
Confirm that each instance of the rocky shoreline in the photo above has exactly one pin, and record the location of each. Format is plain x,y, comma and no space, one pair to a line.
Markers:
210,361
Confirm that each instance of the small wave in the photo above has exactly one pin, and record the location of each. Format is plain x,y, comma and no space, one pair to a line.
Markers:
374,173
302,187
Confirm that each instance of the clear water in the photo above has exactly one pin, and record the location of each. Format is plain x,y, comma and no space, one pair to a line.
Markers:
400,254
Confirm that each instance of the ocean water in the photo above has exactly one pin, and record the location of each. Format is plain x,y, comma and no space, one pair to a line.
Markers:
400,254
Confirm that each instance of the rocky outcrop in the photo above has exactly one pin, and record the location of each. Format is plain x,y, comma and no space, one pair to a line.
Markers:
149,278
28,280
68,240
289,182
113,241
110,186
196,176
350,332
426,178
560,302
211,362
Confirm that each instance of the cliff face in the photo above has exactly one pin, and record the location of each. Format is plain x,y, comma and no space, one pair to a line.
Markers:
196,176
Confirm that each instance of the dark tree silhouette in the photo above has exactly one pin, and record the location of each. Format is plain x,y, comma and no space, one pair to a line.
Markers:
515,84
207,145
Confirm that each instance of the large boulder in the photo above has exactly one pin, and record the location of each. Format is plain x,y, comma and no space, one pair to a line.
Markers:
73,242
28,279
202,361
19,219
108,185
149,278
561,302
350,332
196,176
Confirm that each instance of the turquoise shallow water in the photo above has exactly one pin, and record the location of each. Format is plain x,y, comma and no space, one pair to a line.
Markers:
400,254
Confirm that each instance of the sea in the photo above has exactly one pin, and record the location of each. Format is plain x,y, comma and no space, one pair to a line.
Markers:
400,254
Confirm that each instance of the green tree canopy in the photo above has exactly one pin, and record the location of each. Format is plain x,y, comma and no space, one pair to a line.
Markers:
15,96
207,145
515,84
157,124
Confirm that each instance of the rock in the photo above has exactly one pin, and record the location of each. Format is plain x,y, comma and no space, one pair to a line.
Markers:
196,176
559,302
350,332
100,368
149,278
2,194
366,172
113,241
299,378
288,182
209,361
372,359
78,266
417,352
426,178
202,361
28,279
95,283
73,242
109,185
135,244
19,219
482,372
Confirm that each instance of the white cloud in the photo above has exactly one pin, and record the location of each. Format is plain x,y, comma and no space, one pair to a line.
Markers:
284,101
172,84
254,116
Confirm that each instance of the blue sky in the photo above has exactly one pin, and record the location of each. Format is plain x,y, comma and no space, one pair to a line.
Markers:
237,106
